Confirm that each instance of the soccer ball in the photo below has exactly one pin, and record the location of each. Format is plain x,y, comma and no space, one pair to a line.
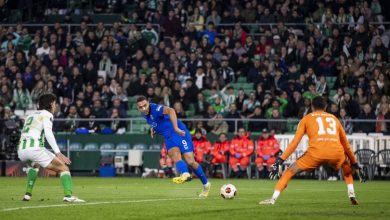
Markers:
228,191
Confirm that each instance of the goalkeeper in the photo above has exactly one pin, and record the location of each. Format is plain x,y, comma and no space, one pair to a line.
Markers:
328,145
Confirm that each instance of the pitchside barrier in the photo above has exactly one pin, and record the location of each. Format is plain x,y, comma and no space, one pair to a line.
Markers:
372,150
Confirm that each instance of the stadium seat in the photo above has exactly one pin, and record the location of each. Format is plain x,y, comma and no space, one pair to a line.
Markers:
122,146
383,160
241,80
139,146
107,146
190,113
155,147
62,145
291,125
133,113
91,146
330,81
350,91
366,158
248,86
139,127
75,146
132,99
332,93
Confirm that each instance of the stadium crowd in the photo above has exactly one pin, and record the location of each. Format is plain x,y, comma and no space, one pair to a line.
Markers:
199,57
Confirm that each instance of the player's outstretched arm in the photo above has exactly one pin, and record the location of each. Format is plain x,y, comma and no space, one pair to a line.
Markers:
301,130
172,116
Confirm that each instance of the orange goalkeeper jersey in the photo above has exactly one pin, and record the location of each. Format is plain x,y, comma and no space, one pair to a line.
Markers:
327,137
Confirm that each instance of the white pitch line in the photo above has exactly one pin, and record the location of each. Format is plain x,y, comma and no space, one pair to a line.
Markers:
93,203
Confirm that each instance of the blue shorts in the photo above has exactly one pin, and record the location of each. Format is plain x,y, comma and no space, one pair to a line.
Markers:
183,143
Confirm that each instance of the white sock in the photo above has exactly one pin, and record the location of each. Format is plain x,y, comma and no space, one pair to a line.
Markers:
276,194
351,191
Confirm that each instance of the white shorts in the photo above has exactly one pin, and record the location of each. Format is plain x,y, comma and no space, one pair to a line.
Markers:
42,156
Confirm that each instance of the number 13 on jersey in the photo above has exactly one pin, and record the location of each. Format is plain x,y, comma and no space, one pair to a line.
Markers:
328,128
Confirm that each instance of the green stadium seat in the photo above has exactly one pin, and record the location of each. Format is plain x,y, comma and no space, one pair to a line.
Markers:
139,128
332,93
155,147
190,113
139,146
246,86
350,91
132,99
122,146
75,146
292,124
330,81
191,107
241,80
91,146
107,146
133,113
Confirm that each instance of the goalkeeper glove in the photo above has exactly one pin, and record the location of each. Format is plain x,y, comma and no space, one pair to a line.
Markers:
360,172
274,174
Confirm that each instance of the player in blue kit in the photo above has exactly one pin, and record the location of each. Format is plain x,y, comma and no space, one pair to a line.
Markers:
178,141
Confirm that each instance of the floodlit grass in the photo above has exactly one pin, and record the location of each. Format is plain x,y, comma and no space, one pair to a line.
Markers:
133,198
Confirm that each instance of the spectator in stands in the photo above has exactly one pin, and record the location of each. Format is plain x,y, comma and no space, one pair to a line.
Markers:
381,127
334,109
266,150
21,97
350,105
233,114
256,126
218,125
58,125
91,125
294,104
38,90
305,109
71,124
241,149
249,104
201,105
226,72
279,103
117,125
344,117
240,100
366,114
311,92
5,95
277,127
218,105
178,107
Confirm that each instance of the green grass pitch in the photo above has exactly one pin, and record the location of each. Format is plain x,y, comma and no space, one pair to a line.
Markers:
133,198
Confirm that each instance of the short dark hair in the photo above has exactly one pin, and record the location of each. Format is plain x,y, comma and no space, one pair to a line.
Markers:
141,98
319,103
45,101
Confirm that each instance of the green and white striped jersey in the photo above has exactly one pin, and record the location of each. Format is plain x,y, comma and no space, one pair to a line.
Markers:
37,127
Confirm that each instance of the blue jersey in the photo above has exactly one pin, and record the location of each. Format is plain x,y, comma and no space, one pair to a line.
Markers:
162,125
160,122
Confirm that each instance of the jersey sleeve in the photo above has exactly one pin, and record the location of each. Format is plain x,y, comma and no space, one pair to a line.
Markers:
301,130
48,128
344,141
